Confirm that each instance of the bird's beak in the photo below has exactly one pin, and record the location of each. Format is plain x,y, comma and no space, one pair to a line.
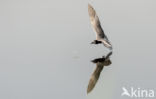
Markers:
92,43
93,61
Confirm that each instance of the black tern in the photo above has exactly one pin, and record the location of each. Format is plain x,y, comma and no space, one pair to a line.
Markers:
95,22
100,63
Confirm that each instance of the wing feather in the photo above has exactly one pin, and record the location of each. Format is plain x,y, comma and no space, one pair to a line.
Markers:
100,35
94,77
96,23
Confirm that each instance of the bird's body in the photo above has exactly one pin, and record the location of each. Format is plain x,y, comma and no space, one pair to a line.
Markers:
100,63
100,36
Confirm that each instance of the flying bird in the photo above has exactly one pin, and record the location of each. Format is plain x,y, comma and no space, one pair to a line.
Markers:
100,35
100,63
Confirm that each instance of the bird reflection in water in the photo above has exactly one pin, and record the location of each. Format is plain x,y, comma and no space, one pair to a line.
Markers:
101,38
100,63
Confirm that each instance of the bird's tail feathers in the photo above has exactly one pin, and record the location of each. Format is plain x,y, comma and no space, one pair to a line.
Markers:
107,44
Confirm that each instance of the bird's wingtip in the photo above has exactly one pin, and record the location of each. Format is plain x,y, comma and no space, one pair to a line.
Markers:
88,91
89,6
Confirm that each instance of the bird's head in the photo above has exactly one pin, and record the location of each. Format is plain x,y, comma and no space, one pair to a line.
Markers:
96,42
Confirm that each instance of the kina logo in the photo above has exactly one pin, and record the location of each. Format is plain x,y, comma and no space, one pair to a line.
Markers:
138,93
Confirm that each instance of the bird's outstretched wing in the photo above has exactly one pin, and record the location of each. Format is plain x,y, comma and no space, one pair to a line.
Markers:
94,77
97,26
95,22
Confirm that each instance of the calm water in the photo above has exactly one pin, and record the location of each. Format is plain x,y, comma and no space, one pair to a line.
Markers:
45,49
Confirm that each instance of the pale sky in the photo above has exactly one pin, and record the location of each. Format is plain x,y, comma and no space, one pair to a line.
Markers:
45,49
